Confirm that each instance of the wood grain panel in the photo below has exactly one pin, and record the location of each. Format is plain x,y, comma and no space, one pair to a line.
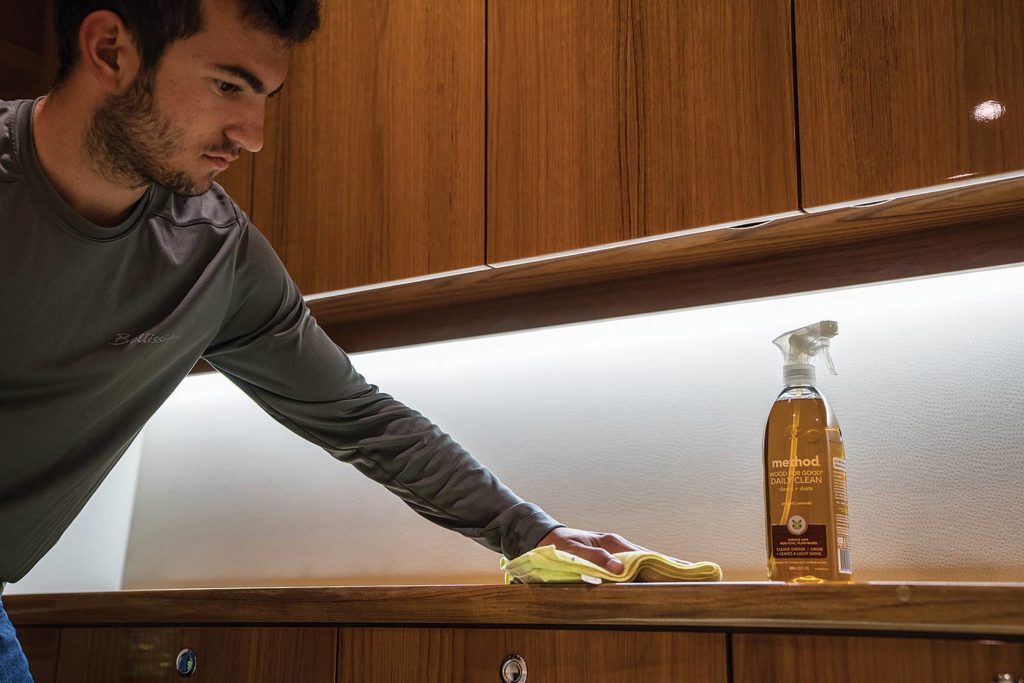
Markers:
374,161
23,22
887,91
444,655
396,655
51,60
559,656
223,654
770,658
614,119
20,72
236,180
988,608
41,646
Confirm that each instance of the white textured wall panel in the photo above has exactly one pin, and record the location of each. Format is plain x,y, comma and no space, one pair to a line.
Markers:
649,426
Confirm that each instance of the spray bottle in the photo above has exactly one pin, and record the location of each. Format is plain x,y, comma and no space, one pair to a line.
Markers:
808,532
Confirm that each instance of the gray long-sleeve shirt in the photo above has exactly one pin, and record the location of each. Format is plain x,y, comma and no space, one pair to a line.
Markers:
99,325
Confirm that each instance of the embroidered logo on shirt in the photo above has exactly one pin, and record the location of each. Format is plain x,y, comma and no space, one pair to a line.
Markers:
144,338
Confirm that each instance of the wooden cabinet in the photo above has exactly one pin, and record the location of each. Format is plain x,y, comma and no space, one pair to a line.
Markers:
622,633
417,137
472,655
237,181
616,119
373,165
28,60
223,654
896,95
772,658
620,656
41,646
605,121
386,654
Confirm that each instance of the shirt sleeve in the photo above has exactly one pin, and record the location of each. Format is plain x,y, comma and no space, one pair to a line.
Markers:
273,350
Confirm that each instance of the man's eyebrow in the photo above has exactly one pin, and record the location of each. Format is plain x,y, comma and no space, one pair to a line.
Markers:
249,77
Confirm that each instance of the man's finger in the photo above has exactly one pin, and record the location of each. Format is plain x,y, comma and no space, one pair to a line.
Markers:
598,556
614,543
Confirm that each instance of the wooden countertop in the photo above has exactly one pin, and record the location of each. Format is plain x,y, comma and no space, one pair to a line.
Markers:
995,609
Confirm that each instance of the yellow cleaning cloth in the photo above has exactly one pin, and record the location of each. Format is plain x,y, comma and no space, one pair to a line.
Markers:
550,565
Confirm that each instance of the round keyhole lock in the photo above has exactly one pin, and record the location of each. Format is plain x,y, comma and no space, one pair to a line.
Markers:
185,662
513,669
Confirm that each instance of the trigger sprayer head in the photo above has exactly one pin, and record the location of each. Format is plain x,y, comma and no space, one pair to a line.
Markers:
799,347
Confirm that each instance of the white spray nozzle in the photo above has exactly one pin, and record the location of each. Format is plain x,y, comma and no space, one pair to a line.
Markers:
799,347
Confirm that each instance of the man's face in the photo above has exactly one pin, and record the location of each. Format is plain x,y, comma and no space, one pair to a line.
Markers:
183,123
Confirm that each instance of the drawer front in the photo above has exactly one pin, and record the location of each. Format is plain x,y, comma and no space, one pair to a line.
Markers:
384,654
241,654
477,655
764,658
572,656
40,644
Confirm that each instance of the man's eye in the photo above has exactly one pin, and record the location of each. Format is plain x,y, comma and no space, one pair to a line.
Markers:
227,88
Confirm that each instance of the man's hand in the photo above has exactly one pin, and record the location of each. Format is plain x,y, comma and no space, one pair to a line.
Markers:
590,545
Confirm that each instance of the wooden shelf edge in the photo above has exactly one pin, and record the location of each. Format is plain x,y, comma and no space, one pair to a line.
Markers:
978,609
978,226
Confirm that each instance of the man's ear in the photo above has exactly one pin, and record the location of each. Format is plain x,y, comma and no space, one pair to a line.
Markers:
108,50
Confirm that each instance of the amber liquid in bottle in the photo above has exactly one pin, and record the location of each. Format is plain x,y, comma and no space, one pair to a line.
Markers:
805,491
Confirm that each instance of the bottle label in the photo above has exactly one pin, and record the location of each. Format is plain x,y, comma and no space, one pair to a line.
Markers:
798,540
841,513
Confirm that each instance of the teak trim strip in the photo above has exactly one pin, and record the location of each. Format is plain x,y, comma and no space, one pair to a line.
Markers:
986,609
971,227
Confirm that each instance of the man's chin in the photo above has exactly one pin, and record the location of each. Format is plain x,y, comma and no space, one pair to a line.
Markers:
190,189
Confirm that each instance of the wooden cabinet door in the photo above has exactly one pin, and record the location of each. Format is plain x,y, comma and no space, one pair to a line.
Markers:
237,181
617,119
40,644
242,654
902,94
396,655
593,656
373,164
24,38
475,655
763,658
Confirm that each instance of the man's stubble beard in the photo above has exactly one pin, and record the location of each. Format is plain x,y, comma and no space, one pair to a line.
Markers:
130,142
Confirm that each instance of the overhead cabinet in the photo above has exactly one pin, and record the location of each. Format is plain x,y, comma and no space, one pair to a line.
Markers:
373,166
616,119
898,95
416,138
28,59
604,120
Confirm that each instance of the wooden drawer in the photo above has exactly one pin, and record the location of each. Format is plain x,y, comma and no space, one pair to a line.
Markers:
763,658
224,654
475,655
572,656
40,644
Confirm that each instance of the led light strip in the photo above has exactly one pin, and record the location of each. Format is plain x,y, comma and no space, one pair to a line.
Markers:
883,198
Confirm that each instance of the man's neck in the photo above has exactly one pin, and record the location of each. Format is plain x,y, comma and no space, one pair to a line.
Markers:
60,130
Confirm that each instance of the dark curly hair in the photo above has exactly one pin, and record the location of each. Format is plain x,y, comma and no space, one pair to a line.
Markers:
157,23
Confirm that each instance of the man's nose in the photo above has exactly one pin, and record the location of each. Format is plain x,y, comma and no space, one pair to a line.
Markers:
247,130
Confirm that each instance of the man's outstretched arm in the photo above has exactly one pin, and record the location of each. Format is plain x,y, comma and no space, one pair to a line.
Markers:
273,350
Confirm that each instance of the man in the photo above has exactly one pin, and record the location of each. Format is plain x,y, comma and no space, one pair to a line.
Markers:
122,263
